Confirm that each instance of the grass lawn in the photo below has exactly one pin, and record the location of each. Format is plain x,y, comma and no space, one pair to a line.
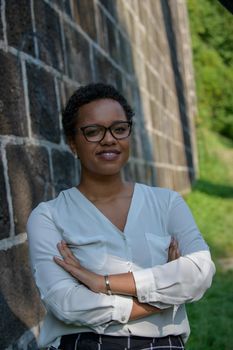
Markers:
211,201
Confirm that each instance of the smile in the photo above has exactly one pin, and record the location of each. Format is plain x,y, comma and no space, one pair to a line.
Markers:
108,155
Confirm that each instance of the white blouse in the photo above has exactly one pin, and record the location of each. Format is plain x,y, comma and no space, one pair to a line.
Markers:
155,215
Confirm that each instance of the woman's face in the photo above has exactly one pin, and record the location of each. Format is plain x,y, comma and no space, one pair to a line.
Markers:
109,155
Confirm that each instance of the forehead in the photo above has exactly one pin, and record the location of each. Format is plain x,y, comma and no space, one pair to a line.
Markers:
101,111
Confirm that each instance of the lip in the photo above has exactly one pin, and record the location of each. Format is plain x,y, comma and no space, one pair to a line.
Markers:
115,151
108,155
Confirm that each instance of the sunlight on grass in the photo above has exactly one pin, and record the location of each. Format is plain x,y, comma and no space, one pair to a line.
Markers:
211,202
211,199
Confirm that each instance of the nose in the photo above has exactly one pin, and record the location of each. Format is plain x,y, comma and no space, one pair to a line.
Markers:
108,138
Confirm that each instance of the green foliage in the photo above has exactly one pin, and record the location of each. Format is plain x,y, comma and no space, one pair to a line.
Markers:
212,34
211,202
211,319
211,198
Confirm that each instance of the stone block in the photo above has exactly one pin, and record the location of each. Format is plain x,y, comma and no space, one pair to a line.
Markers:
110,6
19,25
78,55
112,41
1,26
20,306
43,104
12,104
64,5
64,170
4,213
30,180
102,29
48,32
126,59
105,71
84,15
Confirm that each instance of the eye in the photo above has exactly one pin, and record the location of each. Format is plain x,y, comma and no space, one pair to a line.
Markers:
92,131
120,128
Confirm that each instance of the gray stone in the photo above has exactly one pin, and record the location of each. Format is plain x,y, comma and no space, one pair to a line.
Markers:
64,170
30,180
105,71
20,306
1,26
64,5
110,6
78,55
103,39
12,105
43,104
19,25
4,213
84,15
48,32
112,41
125,54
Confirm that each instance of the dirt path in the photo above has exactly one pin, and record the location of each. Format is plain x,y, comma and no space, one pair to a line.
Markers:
226,263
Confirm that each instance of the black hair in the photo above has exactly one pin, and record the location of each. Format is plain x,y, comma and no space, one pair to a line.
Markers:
86,94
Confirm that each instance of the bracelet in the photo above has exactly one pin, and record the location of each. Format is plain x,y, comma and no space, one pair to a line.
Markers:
107,284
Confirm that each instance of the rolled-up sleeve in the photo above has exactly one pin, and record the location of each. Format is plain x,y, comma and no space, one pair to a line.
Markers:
63,295
185,279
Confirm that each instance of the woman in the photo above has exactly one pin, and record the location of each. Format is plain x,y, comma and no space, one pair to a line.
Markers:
102,253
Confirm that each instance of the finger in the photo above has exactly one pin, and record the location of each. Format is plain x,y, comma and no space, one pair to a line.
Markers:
68,256
68,253
65,251
172,242
66,266
171,254
176,249
177,253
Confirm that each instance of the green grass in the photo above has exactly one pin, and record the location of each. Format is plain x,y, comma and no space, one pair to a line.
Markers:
211,202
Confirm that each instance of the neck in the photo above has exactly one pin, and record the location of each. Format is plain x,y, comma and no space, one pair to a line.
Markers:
102,187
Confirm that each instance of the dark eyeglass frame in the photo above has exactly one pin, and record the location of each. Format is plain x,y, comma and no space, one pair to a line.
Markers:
129,122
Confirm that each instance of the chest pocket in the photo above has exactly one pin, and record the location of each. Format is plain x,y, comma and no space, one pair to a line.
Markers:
158,247
90,251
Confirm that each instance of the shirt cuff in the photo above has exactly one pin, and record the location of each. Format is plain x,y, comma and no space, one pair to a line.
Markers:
145,285
122,308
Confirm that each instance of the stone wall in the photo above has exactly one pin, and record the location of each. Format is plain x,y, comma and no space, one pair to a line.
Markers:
47,49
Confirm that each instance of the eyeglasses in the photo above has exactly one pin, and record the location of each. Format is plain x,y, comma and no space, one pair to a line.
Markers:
96,133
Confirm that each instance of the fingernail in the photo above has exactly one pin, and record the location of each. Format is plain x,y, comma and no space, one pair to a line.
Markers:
57,257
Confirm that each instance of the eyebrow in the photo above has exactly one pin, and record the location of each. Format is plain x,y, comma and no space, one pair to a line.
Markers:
117,121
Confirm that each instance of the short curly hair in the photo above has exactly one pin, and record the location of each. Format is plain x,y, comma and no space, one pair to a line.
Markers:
86,94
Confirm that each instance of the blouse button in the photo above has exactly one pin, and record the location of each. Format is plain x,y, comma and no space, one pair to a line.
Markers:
123,318
143,297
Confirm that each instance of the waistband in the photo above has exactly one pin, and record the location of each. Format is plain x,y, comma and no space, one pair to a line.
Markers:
70,341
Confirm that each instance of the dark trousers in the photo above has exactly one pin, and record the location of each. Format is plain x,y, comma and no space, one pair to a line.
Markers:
92,341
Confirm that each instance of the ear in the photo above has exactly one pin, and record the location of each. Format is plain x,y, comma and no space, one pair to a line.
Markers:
73,148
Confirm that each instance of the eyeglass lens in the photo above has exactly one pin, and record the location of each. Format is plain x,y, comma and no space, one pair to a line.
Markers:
96,133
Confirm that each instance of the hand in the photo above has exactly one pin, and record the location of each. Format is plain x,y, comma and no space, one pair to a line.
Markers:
72,265
140,310
173,251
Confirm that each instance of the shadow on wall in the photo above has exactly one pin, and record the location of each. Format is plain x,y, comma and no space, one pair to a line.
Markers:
19,301
179,84
12,329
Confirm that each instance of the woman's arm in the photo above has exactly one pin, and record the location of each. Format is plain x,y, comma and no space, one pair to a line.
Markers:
185,279
119,283
182,280
70,301
97,284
